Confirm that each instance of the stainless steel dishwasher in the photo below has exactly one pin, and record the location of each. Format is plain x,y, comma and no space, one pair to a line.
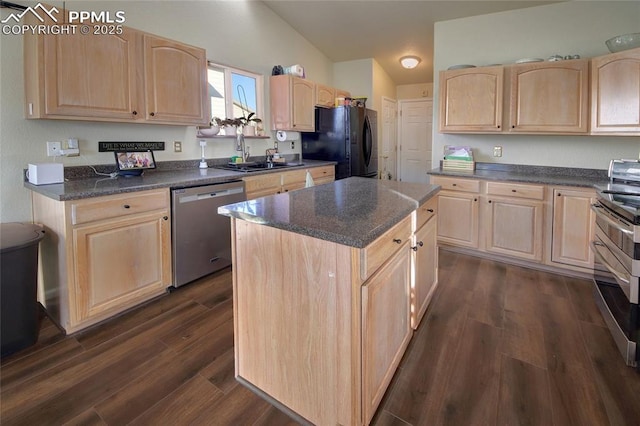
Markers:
200,237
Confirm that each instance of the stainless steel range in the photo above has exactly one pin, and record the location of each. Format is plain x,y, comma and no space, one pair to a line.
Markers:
617,253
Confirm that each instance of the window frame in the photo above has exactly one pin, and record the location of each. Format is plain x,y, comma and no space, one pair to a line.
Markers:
228,87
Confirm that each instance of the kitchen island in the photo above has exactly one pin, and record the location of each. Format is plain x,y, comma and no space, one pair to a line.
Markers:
328,283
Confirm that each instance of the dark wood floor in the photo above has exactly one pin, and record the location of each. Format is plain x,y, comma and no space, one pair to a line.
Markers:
500,345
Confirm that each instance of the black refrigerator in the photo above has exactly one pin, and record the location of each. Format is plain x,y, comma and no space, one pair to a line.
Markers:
347,135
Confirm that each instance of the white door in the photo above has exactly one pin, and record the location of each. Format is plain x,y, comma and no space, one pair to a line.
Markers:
389,148
415,139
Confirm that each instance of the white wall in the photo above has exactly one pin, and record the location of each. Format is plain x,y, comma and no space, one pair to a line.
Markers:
355,76
415,91
243,34
576,27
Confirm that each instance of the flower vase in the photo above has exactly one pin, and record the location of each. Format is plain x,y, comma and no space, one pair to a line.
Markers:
249,130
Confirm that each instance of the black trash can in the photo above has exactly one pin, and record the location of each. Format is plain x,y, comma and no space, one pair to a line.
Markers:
18,285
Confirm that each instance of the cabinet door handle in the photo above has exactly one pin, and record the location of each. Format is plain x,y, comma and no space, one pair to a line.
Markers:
153,114
127,206
417,246
475,199
397,240
165,217
454,184
430,210
489,201
513,190
135,113
559,194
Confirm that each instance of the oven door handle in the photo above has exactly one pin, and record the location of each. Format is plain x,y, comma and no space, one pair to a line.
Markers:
598,210
595,245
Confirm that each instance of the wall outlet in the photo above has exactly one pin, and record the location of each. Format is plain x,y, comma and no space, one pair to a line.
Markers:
177,146
293,145
497,151
53,149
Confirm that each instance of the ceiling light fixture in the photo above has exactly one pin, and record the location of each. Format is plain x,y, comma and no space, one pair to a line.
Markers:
409,62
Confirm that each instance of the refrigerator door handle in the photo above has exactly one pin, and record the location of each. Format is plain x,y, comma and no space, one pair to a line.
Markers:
367,141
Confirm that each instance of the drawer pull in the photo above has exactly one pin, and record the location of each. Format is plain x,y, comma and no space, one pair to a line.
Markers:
454,184
513,190
127,206
430,210
559,194
397,240
153,114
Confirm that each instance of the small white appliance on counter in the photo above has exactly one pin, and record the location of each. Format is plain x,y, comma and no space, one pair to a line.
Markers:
45,173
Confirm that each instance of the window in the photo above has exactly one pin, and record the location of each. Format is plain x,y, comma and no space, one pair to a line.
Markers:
234,92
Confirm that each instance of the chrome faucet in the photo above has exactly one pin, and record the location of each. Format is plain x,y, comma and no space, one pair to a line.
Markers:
241,146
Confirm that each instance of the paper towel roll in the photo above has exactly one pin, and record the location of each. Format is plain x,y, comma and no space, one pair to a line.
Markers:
295,70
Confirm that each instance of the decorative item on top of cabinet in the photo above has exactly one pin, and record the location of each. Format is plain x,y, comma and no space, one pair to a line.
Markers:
292,103
549,97
615,93
471,100
325,95
122,78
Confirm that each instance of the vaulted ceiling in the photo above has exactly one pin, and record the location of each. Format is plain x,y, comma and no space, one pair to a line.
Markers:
385,30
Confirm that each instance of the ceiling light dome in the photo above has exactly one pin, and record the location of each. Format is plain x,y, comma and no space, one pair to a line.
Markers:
409,62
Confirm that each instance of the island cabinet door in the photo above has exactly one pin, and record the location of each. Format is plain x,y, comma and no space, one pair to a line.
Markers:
386,327
425,263
292,319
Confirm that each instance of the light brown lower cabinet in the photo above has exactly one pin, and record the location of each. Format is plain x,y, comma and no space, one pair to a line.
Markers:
573,227
321,327
425,280
102,255
514,228
279,182
541,225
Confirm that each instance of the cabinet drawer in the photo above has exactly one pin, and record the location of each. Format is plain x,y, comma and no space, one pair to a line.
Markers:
454,184
534,192
263,182
426,211
294,177
94,209
379,251
322,173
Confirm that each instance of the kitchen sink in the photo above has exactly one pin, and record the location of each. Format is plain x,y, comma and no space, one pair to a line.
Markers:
255,167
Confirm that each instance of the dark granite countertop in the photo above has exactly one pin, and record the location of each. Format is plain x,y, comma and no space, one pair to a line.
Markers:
353,211
87,187
563,176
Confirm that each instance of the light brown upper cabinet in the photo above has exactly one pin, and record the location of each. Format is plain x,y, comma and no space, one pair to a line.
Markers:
549,97
615,93
176,82
325,95
130,77
292,103
471,100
